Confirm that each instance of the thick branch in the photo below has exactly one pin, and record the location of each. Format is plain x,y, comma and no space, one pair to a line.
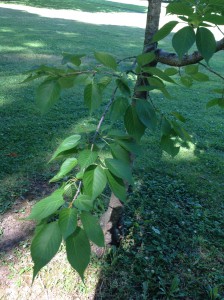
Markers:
171,59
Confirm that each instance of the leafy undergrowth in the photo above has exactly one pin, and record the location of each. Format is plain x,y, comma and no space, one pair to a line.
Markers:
173,248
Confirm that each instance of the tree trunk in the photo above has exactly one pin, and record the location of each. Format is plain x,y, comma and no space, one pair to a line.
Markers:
112,219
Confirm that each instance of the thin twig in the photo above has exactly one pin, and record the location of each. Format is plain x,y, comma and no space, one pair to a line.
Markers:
76,194
210,70
102,118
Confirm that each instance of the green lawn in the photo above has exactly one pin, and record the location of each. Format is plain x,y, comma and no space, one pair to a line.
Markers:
173,248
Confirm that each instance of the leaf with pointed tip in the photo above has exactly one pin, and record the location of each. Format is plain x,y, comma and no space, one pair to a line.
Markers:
92,96
168,145
72,58
86,158
118,108
67,221
84,202
123,87
164,31
47,94
145,58
146,113
92,228
179,9
66,167
120,169
78,251
205,42
106,59
47,206
117,186
68,144
159,73
183,40
94,181
45,245
119,152
132,123
171,71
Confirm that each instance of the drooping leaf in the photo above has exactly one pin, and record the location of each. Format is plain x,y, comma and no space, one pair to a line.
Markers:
179,116
213,102
200,77
186,81
170,71
67,221
205,42
123,87
45,245
130,146
120,153
78,251
117,186
191,69
66,167
120,169
106,59
84,202
47,94
179,9
145,58
68,144
164,31
47,206
132,123
92,96
166,127
215,19
146,113
118,108
159,73
94,181
75,59
92,228
168,145
86,158
183,40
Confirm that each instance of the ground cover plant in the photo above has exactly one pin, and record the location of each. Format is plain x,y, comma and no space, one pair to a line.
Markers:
161,287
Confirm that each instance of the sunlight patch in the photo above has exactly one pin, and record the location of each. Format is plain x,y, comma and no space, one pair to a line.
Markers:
34,44
185,153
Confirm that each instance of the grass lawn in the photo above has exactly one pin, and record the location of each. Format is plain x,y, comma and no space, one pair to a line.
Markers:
174,241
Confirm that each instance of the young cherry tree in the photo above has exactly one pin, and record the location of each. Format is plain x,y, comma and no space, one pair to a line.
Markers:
68,213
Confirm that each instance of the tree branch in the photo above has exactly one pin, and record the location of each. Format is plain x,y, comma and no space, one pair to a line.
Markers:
171,59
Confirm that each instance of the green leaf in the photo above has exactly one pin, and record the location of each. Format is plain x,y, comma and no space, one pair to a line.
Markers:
215,19
92,228
166,128
123,87
132,123
146,113
72,58
168,145
104,82
118,108
120,169
213,102
171,71
191,69
67,221
117,186
47,94
145,58
179,116
45,245
205,42
186,81
183,40
92,96
106,59
66,167
179,9
200,77
164,31
68,144
87,158
84,202
120,153
94,181
159,73
47,206
78,251
130,146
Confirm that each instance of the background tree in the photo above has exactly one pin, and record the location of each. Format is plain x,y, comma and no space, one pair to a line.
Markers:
60,215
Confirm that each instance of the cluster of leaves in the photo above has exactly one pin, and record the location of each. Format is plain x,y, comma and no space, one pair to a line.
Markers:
68,213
